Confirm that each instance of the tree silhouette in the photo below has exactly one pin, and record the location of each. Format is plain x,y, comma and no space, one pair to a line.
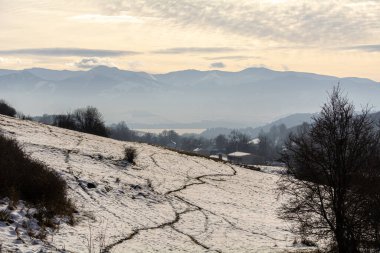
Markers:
6,109
332,185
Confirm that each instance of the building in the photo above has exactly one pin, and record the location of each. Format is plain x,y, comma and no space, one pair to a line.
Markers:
220,156
242,157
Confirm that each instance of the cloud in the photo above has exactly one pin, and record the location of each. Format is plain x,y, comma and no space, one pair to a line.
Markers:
366,48
95,18
260,66
217,65
10,60
89,63
285,67
61,52
232,57
185,50
311,22
135,65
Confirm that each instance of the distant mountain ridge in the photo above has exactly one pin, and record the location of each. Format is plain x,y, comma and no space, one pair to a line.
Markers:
289,121
252,96
292,122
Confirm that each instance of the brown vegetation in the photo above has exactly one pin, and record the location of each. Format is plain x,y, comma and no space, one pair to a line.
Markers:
22,178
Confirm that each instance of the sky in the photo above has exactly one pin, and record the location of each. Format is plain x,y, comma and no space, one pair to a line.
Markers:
334,37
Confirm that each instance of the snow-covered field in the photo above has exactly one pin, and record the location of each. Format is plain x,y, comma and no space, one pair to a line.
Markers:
167,202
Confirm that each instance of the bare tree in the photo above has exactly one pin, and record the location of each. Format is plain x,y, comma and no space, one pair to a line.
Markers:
65,121
238,141
120,131
333,176
221,141
90,120
87,120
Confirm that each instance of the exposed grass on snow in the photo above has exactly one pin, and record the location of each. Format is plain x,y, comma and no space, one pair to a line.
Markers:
130,154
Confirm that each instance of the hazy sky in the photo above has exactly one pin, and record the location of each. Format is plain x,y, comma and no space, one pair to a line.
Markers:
337,37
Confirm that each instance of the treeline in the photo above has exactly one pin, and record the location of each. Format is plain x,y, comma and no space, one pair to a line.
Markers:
267,146
6,109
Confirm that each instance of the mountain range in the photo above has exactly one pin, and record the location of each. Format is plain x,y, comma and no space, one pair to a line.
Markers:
214,98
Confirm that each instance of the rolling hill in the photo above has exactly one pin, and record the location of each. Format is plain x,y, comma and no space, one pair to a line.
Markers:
166,202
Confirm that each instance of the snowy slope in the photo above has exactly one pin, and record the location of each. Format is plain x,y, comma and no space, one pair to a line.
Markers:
167,202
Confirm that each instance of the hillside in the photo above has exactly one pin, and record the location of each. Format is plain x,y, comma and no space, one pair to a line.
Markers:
167,202
251,97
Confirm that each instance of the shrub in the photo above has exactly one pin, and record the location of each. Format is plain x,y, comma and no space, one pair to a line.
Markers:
6,109
5,215
130,154
24,178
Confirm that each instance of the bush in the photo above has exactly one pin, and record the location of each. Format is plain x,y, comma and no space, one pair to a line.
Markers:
130,154
29,180
6,109
5,215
